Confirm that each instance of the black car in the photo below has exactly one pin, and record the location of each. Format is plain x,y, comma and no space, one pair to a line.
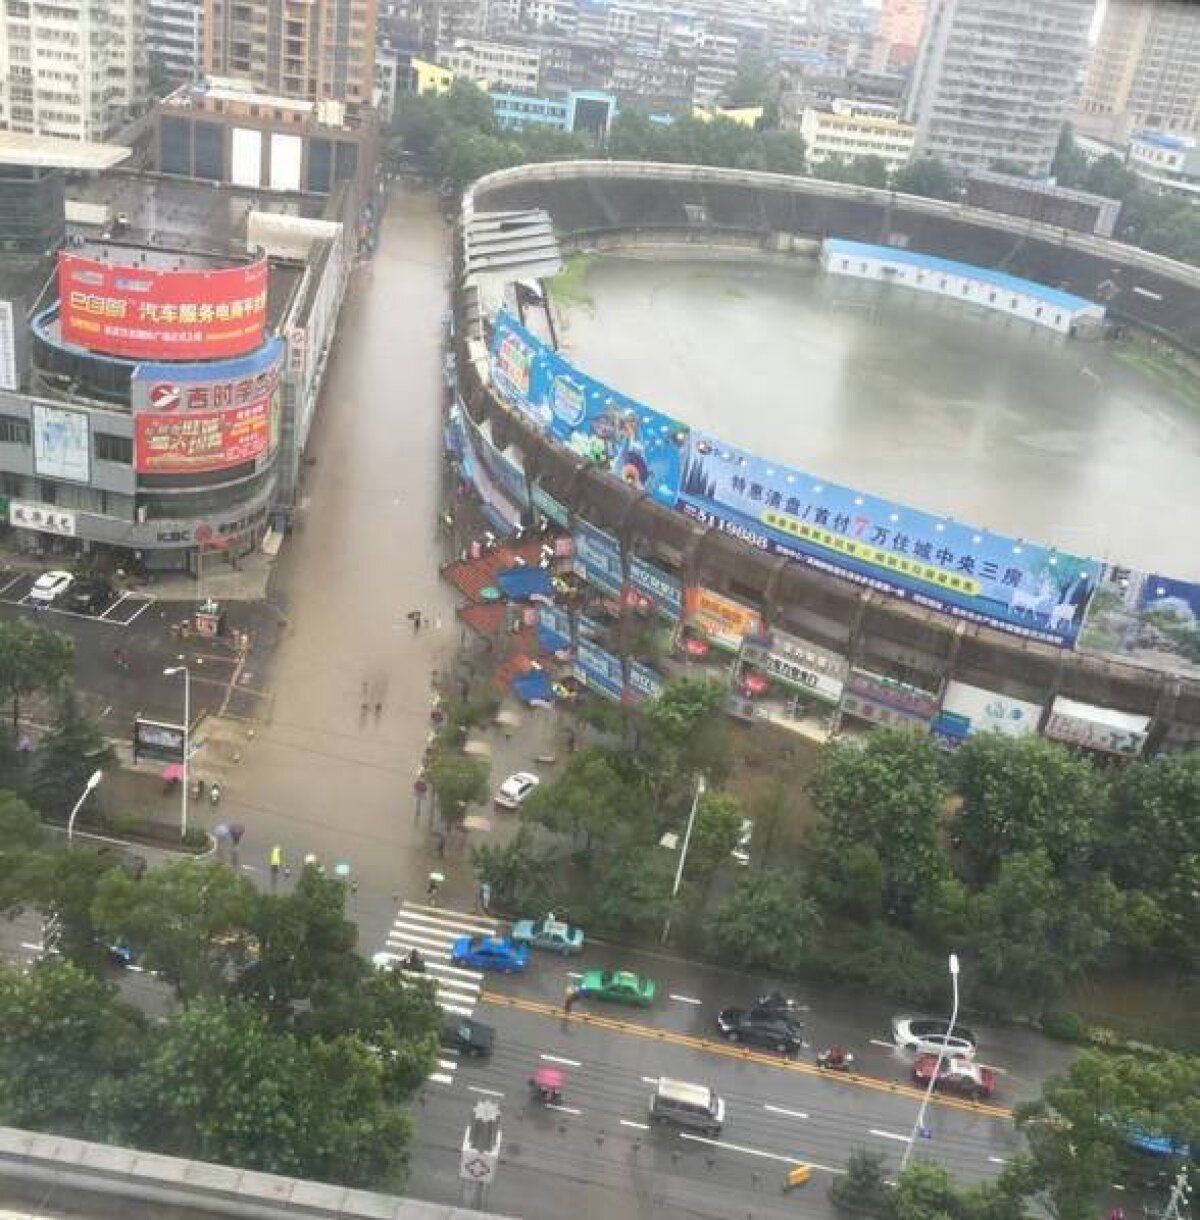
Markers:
471,1038
757,1028
88,595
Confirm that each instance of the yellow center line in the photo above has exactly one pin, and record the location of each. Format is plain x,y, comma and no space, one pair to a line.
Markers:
708,1046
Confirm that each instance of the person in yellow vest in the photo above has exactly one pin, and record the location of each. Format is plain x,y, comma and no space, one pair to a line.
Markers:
275,863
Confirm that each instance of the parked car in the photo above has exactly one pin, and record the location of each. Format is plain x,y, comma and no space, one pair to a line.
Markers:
513,792
956,1075
618,987
755,1028
549,933
489,953
50,586
928,1035
471,1038
89,594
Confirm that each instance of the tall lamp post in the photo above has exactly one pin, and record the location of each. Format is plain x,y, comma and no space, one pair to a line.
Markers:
683,851
920,1123
93,781
170,672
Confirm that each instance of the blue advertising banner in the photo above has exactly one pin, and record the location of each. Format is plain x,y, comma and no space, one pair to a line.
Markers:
643,683
550,508
587,628
554,629
599,670
598,557
505,473
1022,588
661,589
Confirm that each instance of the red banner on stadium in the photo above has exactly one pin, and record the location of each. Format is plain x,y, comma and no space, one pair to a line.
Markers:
201,440
162,314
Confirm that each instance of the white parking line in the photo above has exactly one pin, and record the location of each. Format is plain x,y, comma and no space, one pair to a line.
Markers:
628,1122
5,588
571,1063
788,1113
440,1078
769,1156
563,1109
889,1135
129,621
686,999
475,1088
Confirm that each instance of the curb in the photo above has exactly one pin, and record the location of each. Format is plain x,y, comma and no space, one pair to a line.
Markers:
133,845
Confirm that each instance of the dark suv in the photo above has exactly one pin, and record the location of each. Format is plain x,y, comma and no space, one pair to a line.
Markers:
758,1027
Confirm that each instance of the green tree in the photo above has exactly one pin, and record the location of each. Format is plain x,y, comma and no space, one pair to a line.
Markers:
457,781
926,176
216,1085
523,878
32,659
863,1188
1022,794
753,85
61,1032
1075,1132
68,755
768,922
685,733
594,799
469,106
885,793
1151,823
714,835
191,922
65,884
851,883
925,1192
633,890
861,171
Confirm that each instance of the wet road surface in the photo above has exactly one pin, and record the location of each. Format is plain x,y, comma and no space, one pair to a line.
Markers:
948,409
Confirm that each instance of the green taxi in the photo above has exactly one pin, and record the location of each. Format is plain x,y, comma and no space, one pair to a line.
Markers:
617,986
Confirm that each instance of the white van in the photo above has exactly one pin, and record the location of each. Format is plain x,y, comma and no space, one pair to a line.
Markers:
687,1105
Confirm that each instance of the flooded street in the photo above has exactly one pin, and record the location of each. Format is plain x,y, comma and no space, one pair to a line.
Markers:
948,409
323,775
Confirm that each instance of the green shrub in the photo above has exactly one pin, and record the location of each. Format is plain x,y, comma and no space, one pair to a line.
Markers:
1065,1026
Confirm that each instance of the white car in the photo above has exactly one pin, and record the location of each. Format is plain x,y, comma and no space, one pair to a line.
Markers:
929,1035
515,789
741,849
50,586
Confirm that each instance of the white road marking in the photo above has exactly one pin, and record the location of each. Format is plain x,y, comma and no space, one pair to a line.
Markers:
448,1064
571,1063
574,974
686,999
136,968
788,1113
563,1109
455,1010
628,1122
146,606
997,1160
10,584
769,1156
887,1046
475,1088
413,910
25,944
649,1080
440,1078
106,711
889,1135
407,938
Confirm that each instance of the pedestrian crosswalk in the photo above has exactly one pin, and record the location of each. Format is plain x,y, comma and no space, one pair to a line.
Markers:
432,931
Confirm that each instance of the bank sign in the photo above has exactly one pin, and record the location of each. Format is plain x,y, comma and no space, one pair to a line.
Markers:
1027,590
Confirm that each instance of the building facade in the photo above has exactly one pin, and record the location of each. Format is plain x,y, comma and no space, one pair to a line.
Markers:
851,129
175,37
996,81
74,69
496,64
295,49
1169,161
1145,71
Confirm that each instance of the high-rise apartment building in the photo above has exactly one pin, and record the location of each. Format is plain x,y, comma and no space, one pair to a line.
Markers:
71,68
311,50
175,38
900,24
1145,72
995,80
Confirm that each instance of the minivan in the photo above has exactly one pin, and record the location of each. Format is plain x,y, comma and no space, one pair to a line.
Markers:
687,1105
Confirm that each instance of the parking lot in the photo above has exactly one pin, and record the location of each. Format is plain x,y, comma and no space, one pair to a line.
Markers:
122,611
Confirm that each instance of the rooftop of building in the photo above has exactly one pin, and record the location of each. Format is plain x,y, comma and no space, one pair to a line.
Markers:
50,152
1171,141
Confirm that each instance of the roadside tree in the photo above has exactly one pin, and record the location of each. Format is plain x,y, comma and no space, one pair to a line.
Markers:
457,781
32,659
67,755
714,835
769,922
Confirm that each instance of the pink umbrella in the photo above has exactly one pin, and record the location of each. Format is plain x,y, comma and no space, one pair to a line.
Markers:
173,771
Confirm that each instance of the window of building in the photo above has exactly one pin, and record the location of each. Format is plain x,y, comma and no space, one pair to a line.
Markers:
110,448
14,430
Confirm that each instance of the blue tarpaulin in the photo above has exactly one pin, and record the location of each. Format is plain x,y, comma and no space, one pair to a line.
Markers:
533,687
520,584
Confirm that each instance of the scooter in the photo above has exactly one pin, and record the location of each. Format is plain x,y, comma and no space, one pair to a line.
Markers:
830,1062
546,1086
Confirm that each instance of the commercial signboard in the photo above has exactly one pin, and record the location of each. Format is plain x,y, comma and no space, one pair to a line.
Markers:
642,683
720,619
598,557
1097,728
967,710
9,377
158,740
599,670
158,312
550,508
46,518
804,667
662,590
504,471
1027,590
201,417
554,628
883,700
61,444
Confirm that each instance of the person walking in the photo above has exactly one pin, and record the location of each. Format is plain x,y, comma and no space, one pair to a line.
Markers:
275,864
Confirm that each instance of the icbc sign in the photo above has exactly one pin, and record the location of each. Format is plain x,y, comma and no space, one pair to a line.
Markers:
204,417
184,314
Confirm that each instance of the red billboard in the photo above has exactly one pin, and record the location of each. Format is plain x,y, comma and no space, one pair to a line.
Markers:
161,314
201,440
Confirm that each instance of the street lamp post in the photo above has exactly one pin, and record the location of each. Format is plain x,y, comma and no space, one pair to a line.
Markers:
93,780
920,1123
169,672
683,851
